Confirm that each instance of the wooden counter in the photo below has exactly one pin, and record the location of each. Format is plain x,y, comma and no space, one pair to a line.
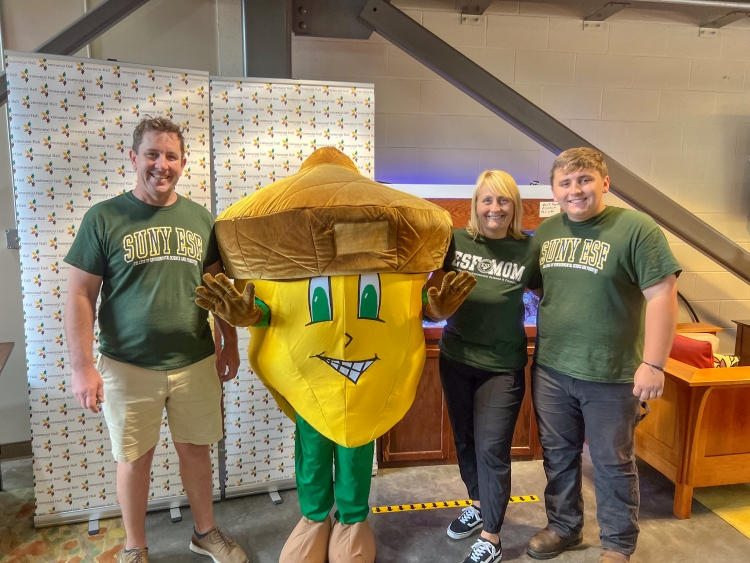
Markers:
424,435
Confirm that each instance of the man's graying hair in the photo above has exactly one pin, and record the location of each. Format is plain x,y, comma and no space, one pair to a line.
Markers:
159,125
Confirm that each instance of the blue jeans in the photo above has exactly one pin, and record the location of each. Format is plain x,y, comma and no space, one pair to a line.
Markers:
568,410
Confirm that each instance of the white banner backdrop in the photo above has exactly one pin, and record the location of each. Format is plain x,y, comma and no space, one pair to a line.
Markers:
71,124
262,131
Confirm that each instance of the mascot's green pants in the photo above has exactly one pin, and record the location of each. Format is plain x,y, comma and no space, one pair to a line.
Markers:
313,457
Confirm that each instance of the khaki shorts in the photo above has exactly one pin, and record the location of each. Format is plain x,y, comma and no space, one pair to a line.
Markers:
135,397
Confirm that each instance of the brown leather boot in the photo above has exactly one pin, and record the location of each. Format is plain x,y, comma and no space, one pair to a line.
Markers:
308,542
612,556
351,543
546,544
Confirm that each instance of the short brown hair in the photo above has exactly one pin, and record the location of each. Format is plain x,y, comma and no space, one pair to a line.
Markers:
581,158
158,124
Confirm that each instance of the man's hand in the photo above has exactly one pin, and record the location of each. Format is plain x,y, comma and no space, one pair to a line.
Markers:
453,291
88,388
227,363
220,297
649,383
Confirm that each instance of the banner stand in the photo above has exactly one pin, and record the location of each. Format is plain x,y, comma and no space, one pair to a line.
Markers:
263,129
77,516
70,125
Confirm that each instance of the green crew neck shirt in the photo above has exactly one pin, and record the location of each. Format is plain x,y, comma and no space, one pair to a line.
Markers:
591,318
151,260
487,330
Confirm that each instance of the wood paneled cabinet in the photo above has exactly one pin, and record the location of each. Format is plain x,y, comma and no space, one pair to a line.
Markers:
424,436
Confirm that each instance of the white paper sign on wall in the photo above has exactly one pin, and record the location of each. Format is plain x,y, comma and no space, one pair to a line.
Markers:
548,208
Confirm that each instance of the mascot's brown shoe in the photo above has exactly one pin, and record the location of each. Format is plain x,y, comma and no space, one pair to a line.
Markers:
308,542
351,543
612,556
546,544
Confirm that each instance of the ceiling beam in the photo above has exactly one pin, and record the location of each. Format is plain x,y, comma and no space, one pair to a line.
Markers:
267,38
476,7
731,17
606,11
329,18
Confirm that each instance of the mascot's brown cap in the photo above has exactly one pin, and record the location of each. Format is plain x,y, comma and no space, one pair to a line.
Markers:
329,220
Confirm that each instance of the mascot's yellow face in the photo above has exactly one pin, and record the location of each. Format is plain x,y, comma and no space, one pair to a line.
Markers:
345,352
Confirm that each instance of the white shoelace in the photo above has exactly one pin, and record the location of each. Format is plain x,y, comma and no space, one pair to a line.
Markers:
470,513
480,548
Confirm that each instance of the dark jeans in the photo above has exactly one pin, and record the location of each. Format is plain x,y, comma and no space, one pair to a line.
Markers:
483,407
567,411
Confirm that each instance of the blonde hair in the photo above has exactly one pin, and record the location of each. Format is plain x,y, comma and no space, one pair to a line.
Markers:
581,158
502,184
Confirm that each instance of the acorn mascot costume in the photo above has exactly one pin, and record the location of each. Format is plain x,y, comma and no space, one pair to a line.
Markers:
329,269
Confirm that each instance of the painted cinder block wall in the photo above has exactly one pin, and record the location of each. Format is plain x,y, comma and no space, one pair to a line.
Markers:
646,89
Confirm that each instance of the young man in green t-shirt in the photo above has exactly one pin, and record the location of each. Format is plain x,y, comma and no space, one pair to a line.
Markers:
146,251
605,328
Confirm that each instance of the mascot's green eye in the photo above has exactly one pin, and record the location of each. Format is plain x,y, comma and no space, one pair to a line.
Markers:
369,296
320,300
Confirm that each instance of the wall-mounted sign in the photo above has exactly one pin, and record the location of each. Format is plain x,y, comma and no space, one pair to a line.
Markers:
548,208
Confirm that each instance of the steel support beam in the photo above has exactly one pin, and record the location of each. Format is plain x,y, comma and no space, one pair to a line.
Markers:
267,38
330,18
606,11
742,5
480,85
89,26
476,7
81,32
725,20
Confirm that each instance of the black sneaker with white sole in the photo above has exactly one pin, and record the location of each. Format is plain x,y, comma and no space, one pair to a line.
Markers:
484,552
469,522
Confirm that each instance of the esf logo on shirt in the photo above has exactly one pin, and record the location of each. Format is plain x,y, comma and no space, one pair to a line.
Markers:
508,271
156,241
564,252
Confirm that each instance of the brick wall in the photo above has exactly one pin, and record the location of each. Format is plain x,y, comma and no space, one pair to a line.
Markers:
646,89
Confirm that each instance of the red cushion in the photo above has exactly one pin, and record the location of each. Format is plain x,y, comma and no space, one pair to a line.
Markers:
695,353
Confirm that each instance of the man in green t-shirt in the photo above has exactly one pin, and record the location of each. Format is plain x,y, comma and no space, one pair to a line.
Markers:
605,328
146,252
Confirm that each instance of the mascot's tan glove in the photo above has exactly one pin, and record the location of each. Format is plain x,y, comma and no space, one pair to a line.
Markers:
454,290
220,297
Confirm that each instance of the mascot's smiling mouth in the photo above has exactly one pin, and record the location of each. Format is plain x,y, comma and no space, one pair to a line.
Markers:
351,370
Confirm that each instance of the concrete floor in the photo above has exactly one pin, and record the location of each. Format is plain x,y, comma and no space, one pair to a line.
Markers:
262,527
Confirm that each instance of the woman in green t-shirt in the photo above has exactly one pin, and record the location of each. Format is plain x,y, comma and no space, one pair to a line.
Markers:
483,354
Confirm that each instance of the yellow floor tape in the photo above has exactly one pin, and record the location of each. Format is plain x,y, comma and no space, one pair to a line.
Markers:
442,504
